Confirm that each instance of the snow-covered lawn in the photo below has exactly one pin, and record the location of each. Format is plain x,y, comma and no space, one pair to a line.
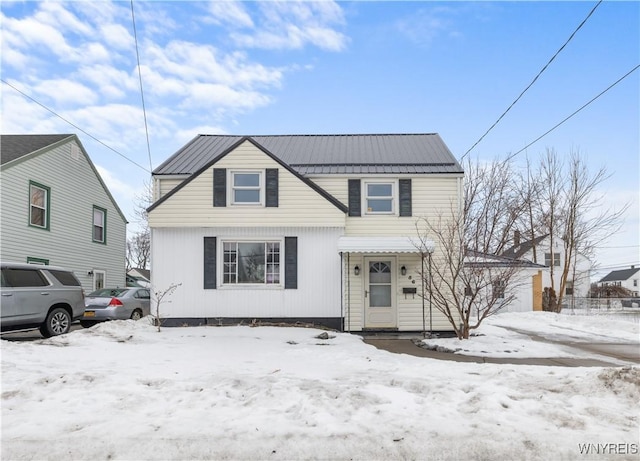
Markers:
122,390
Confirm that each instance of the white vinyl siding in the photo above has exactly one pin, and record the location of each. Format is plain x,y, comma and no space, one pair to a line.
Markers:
299,204
177,257
163,185
75,189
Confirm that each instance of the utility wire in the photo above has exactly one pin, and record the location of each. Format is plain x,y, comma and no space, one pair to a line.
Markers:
144,110
574,113
75,126
532,81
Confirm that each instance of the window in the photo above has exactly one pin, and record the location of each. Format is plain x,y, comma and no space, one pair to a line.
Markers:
635,282
32,260
246,187
24,278
568,290
251,262
379,198
468,291
65,278
556,259
39,201
499,288
99,224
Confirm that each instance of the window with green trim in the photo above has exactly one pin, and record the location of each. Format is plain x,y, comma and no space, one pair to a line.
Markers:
39,205
99,224
32,260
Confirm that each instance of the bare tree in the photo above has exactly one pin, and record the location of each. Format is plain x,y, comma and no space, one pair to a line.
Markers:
158,297
139,244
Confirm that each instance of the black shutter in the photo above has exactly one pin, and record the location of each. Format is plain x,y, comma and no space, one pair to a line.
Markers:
405,197
209,263
290,262
271,187
219,187
355,207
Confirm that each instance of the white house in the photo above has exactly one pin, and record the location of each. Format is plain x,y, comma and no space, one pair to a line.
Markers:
316,228
625,278
57,210
550,253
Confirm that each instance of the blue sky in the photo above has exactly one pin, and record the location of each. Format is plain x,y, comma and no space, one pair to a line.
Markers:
347,67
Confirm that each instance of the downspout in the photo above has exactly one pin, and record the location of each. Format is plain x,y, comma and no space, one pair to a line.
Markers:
424,327
349,292
342,290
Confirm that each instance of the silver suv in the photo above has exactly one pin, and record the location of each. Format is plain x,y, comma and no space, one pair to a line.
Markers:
36,296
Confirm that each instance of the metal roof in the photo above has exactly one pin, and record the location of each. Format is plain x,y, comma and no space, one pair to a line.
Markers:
383,245
327,154
620,275
14,146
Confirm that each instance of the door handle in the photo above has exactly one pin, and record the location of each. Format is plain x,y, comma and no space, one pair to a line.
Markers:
7,294
44,293
365,293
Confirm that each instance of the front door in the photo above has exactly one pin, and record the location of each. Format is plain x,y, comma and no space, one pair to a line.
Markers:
99,279
380,293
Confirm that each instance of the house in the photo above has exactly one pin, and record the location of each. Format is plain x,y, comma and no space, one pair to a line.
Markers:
137,277
625,278
550,252
57,210
517,280
316,228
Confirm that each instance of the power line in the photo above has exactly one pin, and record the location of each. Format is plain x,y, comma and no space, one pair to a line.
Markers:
532,81
144,110
574,113
74,125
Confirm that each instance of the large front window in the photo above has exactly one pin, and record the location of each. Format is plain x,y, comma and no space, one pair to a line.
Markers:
251,262
246,187
38,205
379,198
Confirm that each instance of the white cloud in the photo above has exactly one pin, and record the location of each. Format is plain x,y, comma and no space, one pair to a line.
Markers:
115,185
228,12
65,92
116,35
427,24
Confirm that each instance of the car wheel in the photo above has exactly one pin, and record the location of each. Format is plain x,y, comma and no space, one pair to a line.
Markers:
136,315
87,324
58,322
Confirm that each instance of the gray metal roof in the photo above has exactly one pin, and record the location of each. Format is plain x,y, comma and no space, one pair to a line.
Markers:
14,146
621,275
327,154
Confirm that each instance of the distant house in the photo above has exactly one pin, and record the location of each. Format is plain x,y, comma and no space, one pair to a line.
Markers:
137,277
57,210
540,251
625,278
524,286
312,228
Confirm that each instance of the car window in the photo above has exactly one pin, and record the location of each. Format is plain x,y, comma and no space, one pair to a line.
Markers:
66,278
24,278
107,292
3,283
143,294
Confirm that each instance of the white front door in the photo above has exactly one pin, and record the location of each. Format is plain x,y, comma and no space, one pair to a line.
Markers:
99,279
380,293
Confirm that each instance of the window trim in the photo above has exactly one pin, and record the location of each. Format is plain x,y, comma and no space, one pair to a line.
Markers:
265,285
393,197
93,225
42,261
554,259
47,209
260,187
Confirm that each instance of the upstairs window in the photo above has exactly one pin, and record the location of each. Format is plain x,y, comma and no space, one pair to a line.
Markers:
99,225
246,188
379,198
39,202
556,259
251,262
568,290
499,287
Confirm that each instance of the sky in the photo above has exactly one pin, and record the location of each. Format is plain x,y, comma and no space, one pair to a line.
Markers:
285,394
271,67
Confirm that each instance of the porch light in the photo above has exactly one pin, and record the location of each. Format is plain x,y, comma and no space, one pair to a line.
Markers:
403,270
356,270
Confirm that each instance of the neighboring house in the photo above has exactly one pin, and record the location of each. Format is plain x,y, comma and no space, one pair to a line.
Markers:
524,283
57,210
137,277
316,228
625,278
578,281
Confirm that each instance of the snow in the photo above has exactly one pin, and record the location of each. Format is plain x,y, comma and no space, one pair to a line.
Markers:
123,391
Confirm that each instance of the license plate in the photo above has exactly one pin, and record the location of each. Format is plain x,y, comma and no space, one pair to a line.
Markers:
89,314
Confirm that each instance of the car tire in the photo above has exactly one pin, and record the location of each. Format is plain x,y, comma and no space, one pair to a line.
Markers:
136,314
87,324
58,322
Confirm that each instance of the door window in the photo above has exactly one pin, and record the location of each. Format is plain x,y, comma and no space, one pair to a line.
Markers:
379,284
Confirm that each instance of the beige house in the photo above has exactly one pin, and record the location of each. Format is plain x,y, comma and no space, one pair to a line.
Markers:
315,228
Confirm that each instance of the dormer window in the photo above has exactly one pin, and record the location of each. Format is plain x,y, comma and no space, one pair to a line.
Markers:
246,187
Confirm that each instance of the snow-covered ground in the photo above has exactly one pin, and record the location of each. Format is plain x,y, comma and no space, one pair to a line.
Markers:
122,390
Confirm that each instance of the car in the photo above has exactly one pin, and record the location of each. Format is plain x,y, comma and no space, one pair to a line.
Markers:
116,304
39,296
632,302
